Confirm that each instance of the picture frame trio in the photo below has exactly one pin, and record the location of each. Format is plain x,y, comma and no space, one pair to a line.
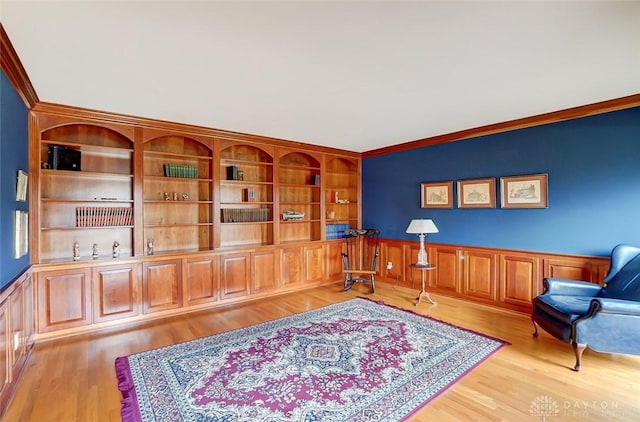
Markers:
525,191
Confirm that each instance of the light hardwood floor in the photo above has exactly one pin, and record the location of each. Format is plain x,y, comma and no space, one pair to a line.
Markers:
74,379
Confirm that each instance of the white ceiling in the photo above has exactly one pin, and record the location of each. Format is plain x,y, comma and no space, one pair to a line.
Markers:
356,75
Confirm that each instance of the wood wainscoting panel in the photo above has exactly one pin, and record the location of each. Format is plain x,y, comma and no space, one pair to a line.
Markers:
16,333
480,274
520,279
394,252
5,364
161,285
586,269
447,273
333,259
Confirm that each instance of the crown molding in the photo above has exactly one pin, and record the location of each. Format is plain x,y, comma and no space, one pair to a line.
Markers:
537,120
12,67
74,112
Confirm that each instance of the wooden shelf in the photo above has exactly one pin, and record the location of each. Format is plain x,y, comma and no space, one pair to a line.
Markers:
247,223
155,226
177,155
244,182
177,179
87,200
87,147
87,174
231,161
188,202
84,228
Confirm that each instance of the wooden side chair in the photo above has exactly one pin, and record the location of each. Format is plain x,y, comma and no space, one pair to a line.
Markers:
360,257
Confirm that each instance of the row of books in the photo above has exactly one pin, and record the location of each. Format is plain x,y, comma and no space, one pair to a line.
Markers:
336,231
181,170
104,216
245,215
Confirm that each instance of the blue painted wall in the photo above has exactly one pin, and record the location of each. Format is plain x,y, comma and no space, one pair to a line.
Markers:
14,156
593,165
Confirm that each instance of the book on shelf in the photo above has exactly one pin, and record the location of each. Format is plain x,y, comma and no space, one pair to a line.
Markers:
336,231
104,216
245,215
181,170
249,195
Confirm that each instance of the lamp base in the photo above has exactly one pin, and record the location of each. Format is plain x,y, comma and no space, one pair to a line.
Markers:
422,253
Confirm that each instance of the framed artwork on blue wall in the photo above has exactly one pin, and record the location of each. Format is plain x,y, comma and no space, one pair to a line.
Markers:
528,191
436,194
477,193
21,235
21,186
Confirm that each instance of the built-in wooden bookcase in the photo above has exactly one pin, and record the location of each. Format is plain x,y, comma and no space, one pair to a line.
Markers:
185,190
178,194
299,191
246,196
91,204
342,191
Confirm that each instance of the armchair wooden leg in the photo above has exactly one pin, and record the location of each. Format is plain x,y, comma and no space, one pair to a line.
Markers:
578,349
535,327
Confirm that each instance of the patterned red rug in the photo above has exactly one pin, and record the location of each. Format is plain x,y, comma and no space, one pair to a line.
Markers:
353,361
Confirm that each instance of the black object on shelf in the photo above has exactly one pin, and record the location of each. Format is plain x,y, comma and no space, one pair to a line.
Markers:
232,173
63,158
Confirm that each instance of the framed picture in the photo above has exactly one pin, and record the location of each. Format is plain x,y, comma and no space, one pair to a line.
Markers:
21,186
477,193
436,194
21,235
528,191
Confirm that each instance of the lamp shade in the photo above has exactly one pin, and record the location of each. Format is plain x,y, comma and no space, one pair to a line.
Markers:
422,225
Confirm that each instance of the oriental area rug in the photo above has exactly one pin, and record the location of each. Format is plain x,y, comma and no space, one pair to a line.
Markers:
357,360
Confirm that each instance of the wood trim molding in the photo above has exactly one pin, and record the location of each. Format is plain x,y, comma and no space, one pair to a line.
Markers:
12,67
182,128
537,120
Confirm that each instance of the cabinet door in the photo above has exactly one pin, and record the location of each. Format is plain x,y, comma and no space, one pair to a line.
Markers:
520,279
114,292
64,299
333,258
291,266
201,281
234,278
264,271
161,286
314,264
480,274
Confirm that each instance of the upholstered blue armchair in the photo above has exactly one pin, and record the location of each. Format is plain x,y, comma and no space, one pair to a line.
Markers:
605,318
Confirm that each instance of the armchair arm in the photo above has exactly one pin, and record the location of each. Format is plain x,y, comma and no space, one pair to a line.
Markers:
614,306
559,286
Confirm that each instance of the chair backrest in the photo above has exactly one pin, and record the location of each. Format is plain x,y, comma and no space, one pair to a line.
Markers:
361,249
623,279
